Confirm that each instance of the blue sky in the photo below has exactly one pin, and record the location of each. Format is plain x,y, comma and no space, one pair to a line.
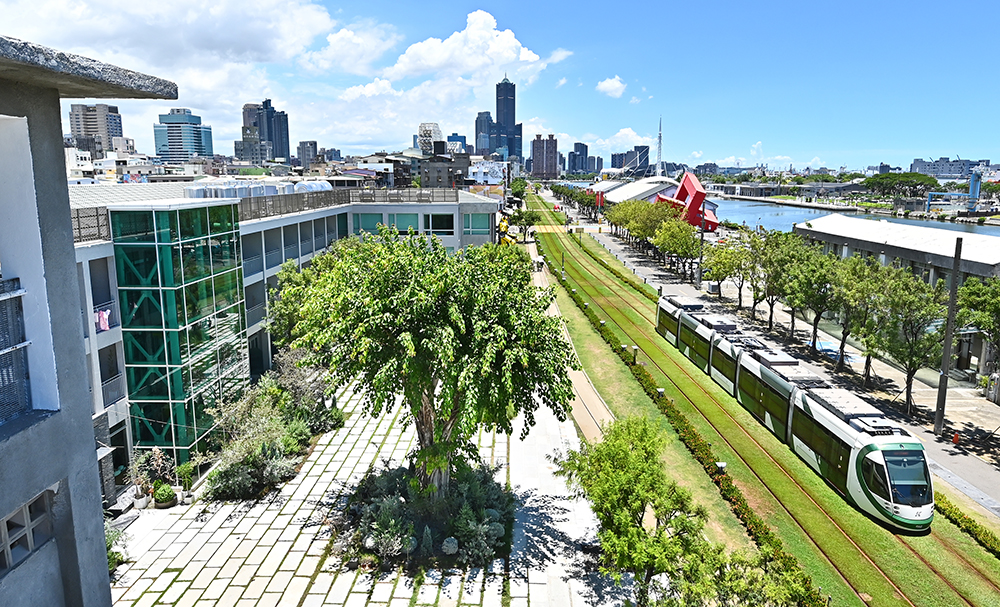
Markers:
832,84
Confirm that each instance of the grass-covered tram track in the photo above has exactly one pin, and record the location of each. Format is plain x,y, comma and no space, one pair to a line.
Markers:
898,563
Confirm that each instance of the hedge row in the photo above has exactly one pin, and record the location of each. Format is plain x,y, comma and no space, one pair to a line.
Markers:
761,533
986,538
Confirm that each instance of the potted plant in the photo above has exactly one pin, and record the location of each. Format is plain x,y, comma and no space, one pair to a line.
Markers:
164,496
139,476
185,475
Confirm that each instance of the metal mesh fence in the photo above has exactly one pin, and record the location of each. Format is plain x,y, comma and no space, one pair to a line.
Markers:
14,394
90,223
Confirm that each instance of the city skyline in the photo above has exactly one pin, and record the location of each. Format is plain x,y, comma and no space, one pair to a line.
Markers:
787,84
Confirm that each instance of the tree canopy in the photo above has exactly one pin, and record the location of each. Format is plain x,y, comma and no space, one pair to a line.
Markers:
649,527
912,185
463,337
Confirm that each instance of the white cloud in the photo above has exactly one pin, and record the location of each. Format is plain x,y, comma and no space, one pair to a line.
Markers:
624,139
561,82
612,87
171,33
352,49
478,49
376,87
634,100
697,154
757,150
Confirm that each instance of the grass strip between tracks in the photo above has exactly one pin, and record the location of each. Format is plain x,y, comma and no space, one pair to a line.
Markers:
903,568
758,530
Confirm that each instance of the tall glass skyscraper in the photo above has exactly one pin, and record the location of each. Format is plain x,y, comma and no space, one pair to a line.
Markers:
180,286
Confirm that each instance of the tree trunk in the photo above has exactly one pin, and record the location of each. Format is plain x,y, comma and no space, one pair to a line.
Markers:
430,470
791,329
816,320
868,372
770,316
909,392
739,296
843,345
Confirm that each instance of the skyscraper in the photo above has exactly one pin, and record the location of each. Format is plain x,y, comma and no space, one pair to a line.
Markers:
508,132
484,122
272,126
99,120
505,105
180,135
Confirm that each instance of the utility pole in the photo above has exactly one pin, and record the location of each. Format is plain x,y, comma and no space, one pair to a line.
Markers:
949,332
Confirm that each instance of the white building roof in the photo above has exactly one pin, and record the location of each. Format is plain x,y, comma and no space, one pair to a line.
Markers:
84,196
920,240
642,189
606,186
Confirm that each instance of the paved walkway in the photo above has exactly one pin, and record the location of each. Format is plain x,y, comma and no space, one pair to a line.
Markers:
271,552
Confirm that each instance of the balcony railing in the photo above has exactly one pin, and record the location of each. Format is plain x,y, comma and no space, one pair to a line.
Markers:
291,251
106,316
252,265
113,390
306,246
90,223
256,314
15,393
259,207
273,258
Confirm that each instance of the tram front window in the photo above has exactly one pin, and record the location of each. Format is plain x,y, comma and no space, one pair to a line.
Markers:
908,477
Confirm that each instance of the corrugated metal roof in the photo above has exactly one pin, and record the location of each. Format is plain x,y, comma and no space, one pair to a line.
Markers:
85,196
642,189
978,248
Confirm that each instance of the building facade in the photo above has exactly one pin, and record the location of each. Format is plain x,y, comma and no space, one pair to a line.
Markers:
545,157
307,152
272,127
944,167
101,121
174,290
52,549
180,136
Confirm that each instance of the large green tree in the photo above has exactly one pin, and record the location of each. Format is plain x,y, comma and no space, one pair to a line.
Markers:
525,219
730,260
914,185
677,237
913,333
979,305
651,528
462,337
812,286
859,282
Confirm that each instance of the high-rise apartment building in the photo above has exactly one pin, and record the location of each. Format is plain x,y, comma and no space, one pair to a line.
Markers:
545,157
618,160
307,152
427,134
98,121
272,127
180,136
484,124
251,149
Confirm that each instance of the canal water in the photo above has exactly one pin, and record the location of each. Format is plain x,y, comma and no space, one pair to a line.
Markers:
781,217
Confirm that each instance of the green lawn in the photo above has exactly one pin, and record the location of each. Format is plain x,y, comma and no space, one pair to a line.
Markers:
769,460
625,398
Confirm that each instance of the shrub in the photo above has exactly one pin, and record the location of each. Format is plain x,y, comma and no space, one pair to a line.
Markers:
164,494
986,538
981,220
114,537
250,478
296,437
388,507
185,474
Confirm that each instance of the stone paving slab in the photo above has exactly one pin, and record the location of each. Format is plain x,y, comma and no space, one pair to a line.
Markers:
269,553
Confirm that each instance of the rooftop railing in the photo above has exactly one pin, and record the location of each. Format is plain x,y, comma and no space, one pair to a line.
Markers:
15,395
91,223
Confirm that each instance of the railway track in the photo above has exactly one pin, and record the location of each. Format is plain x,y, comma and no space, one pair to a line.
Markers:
581,267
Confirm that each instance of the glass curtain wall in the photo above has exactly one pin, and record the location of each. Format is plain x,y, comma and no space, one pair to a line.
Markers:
180,288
